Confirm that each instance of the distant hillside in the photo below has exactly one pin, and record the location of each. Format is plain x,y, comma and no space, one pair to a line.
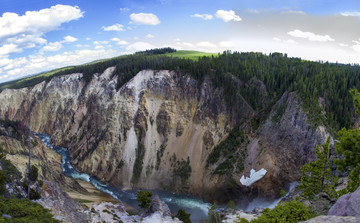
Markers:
34,79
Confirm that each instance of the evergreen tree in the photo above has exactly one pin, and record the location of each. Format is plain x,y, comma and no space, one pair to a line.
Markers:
316,176
144,199
183,216
348,146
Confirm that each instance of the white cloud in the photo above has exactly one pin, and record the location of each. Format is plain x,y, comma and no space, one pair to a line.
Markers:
55,46
17,62
11,24
357,42
26,31
98,47
206,44
203,16
149,36
70,39
117,27
177,39
7,49
124,9
119,41
100,42
122,42
37,63
139,46
227,16
88,38
82,45
350,13
5,61
310,36
144,18
343,44
356,47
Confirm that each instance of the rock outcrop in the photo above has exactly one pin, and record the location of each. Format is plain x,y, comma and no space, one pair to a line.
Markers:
347,205
158,129
61,205
158,206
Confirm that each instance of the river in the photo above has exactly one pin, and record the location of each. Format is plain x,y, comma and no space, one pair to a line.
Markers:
195,206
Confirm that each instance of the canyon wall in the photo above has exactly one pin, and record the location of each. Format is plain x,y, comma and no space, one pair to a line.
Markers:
158,130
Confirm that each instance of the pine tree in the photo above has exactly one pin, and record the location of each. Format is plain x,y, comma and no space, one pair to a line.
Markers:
316,176
348,146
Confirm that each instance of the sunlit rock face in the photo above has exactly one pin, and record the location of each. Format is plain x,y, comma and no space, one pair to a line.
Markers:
142,134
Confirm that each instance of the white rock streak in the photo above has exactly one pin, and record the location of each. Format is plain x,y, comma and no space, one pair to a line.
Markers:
254,176
138,84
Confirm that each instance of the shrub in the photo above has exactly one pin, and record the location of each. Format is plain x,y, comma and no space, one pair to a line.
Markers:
24,210
3,180
183,216
293,211
10,170
213,214
33,174
182,169
144,199
34,195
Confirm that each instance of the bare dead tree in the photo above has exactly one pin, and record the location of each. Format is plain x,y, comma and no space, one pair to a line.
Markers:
29,163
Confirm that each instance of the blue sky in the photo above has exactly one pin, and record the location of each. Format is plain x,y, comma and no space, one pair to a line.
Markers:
41,35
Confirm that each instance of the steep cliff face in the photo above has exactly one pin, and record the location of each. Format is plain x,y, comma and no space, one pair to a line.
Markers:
158,130
284,143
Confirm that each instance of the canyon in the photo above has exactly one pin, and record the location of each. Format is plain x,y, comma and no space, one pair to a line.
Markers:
158,130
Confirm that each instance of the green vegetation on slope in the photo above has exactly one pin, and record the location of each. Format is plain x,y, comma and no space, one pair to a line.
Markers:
293,211
190,54
23,210
233,149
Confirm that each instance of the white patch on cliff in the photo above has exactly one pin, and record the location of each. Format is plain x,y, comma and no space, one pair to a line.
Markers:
254,177
138,84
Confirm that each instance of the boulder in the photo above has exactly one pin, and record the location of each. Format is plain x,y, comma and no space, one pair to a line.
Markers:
62,206
158,206
347,205
353,207
339,208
